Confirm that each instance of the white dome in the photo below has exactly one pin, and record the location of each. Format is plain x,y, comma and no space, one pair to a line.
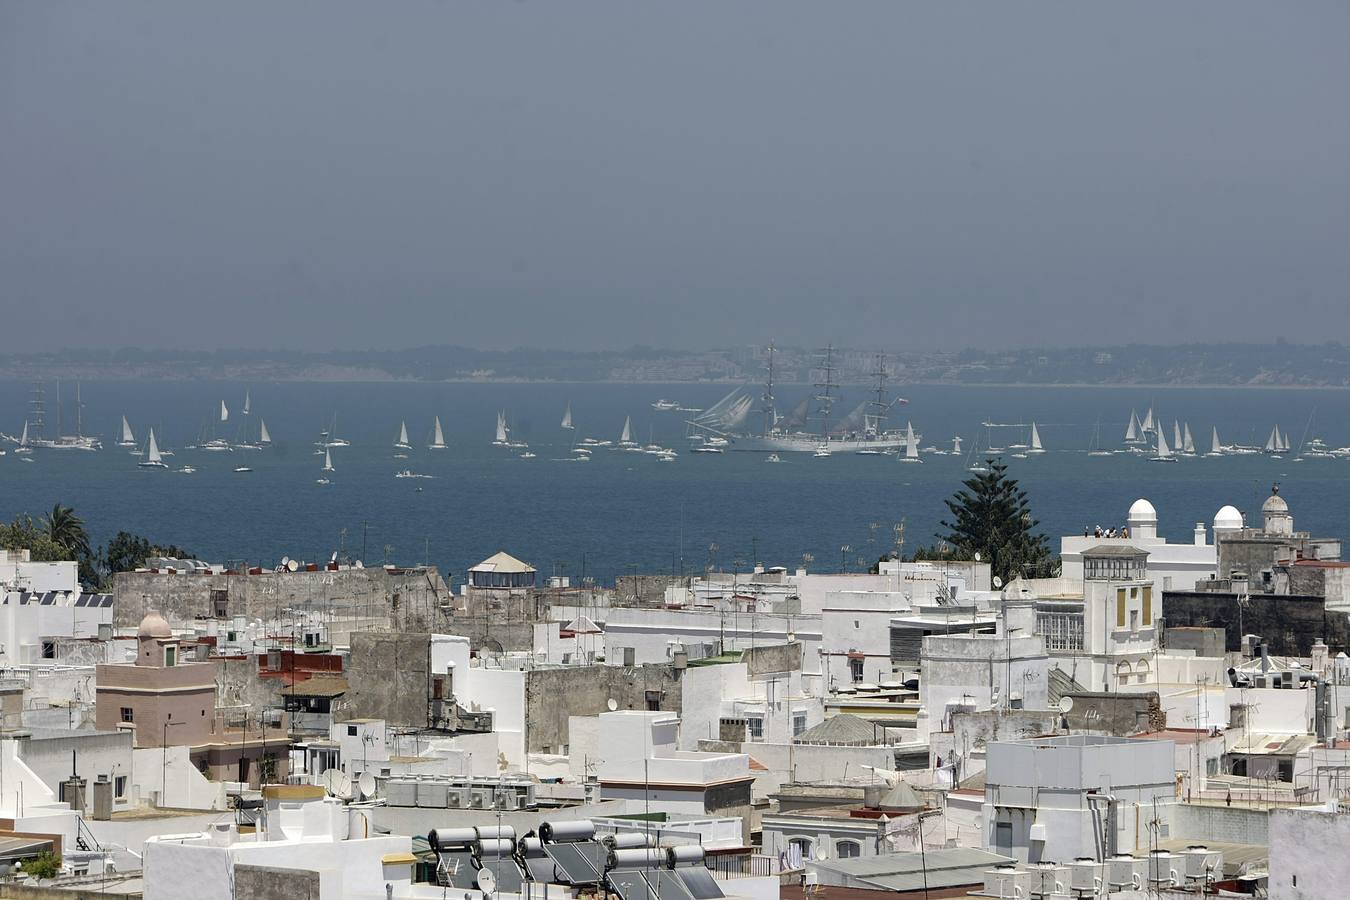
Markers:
1227,518
1142,511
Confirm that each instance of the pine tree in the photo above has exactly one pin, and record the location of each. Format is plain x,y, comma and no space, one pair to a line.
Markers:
991,517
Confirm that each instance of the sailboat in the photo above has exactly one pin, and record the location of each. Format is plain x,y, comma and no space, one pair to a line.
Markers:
264,437
956,445
626,439
327,467
1164,453
152,459
1132,434
224,412
501,440
1274,443
248,405
1215,448
329,438
1095,447
128,439
437,436
1035,441
402,442
973,461
1149,425
1187,443
911,446
1176,434
567,418
23,441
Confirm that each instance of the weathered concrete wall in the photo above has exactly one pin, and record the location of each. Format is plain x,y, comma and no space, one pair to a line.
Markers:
1204,641
1120,715
388,677
644,590
1307,854
491,634
399,595
273,883
772,660
1289,624
554,695
1226,824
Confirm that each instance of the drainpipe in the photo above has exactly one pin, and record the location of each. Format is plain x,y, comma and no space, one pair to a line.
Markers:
1108,845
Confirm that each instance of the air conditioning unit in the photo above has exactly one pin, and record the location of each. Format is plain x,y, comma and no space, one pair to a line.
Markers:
480,798
510,800
1163,869
1126,872
1007,881
1083,877
1047,879
431,794
457,798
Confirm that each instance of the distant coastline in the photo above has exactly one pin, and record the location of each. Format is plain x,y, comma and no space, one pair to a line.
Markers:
1148,367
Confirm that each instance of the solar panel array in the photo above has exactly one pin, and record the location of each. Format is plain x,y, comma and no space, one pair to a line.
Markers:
579,862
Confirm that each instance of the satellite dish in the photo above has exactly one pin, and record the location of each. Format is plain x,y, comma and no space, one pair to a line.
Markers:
1065,704
360,565
292,566
612,704
336,782
998,582
367,784
487,882
285,562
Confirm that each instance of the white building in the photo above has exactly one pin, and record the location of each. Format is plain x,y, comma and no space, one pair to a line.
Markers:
973,670
775,706
43,601
1066,797
1170,566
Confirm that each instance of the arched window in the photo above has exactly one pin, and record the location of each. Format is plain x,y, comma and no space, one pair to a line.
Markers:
1141,671
803,845
847,849
1123,672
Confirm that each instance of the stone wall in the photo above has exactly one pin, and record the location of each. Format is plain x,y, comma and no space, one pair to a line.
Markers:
388,677
399,595
273,883
1289,624
772,660
1204,641
554,695
1120,715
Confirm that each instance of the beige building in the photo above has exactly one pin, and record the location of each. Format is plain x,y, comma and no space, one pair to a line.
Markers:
167,701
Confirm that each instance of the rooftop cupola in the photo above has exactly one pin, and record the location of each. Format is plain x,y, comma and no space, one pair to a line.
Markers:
1142,520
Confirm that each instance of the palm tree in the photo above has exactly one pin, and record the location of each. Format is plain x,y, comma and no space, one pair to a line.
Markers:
67,530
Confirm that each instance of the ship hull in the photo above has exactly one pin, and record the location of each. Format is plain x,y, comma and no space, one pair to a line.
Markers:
788,443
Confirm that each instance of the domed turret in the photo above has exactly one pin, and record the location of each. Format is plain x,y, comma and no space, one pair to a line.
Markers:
1227,520
153,634
1142,519
1275,511
154,626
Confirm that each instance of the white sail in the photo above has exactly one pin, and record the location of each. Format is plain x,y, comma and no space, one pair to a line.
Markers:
438,437
248,405
152,454
911,444
1187,444
1149,424
1286,446
23,438
1215,448
1164,452
956,445
1035,440
128,439
224,412
327,460
263,436
402,435
627,436
501,428
1132,433
1176,434
567,417
1273,442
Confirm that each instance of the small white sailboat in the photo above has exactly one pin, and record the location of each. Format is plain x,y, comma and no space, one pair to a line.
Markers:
153,459
773,458
1274,443
956,445
264,437
1215,448
224,412
567,417
1149,426
1187,443
248,403
823,451
1164,453
1035,441
528,455
437,436
402,442
128,439
911,445
23,441
502,431
328,461
1095,447
1132,433
626,439
1176,434
242,469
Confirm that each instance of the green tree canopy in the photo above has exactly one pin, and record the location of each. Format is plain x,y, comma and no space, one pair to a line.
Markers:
24,534
127,552
67,530
991,516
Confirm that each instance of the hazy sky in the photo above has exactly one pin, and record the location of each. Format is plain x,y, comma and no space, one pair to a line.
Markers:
890,174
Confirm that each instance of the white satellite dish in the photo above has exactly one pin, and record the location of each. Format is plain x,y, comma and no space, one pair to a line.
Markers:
487,882
612,704
292,566
358,564
285,561
367,784
998,582
336,782
1065,704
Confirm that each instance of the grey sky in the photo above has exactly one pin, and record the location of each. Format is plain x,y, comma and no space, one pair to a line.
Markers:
891,174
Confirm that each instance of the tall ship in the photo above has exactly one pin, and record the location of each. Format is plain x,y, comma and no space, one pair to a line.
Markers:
811,427
36,422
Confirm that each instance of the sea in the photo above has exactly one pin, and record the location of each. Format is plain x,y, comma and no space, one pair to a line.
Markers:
628,512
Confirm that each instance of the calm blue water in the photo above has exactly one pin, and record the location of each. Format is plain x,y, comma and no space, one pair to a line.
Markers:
624,510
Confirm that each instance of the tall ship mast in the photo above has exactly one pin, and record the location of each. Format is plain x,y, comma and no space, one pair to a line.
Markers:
770,413
823,397
37,420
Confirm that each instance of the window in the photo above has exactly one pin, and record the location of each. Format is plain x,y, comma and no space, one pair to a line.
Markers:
1060,631
1120,607
351,731
171,655
1148,606
847,849
855,670
1134,620
120,787
126,714
1122,672
1003,838
798,723
755,726
49,649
